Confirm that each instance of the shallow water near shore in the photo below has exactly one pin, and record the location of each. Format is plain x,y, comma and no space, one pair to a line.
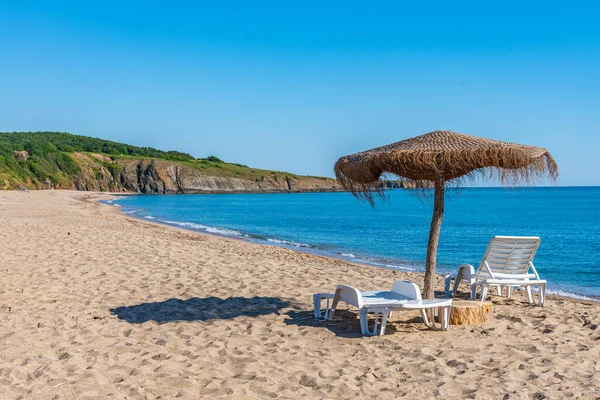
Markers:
394,234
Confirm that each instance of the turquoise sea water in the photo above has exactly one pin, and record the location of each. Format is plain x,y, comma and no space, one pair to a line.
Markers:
395,233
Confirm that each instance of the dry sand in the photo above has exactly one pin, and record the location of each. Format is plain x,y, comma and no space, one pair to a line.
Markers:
94,304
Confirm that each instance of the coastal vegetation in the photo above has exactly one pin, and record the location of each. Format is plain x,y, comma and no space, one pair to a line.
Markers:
59,160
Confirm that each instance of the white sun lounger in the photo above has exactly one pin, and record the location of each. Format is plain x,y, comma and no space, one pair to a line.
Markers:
507,263
403,296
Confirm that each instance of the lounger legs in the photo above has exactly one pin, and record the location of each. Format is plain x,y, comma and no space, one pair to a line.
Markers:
443,316
382,314
509,290
384,318
541,295
459,278
425,319
466,272
484,291
364,327
317,305
329,313
317,298
364,323
447,283
453,281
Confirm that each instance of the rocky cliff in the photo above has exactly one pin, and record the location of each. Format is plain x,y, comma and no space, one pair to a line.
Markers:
99,172
157,176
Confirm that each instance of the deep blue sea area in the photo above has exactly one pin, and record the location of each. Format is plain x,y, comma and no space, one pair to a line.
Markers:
394,234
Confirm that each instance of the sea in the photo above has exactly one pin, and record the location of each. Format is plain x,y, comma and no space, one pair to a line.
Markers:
394,233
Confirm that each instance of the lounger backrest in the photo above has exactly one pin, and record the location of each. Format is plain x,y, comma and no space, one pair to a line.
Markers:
509,255
407,289
348,294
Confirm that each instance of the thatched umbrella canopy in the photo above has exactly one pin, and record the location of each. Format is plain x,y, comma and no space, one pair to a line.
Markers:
439,159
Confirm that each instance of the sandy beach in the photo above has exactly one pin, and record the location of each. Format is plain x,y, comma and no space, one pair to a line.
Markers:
96,305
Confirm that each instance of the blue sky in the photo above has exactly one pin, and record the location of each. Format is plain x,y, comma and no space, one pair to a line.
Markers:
294,85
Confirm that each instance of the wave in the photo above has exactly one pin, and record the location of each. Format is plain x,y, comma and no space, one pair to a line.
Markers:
111,201
289,243
209,229
130,212
391,266
149,217
379,262
571,295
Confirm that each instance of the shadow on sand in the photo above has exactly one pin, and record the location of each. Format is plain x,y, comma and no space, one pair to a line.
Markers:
346,323
196,309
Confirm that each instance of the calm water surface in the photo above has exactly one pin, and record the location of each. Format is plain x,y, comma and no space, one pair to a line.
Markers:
395,233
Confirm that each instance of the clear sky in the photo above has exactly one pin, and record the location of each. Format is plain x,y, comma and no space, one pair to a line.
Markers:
294,85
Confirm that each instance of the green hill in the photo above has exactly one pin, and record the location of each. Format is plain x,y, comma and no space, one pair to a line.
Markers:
45,160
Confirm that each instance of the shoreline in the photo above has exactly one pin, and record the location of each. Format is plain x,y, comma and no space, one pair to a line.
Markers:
315,250
308,249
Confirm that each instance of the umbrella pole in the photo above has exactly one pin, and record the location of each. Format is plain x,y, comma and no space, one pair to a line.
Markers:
434,237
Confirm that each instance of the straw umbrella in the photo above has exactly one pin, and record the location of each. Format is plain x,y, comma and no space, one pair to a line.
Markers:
440,159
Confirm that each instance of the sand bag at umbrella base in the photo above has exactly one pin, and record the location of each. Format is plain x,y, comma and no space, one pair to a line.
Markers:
470,312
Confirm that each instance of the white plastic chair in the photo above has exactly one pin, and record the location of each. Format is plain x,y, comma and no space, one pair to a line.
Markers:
404,295
507,263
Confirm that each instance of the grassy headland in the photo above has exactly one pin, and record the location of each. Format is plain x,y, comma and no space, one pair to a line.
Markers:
43,160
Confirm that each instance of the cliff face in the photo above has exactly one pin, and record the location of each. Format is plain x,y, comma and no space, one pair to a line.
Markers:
162,177
93,176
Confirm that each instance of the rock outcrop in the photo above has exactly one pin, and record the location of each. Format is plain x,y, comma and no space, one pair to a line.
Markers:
166,177
21,155
157,176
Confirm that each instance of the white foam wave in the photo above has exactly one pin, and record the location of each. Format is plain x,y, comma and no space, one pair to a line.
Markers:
571,295
349,255
132,211
210,229
392,266
223,231
288,243
115,199
149,217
